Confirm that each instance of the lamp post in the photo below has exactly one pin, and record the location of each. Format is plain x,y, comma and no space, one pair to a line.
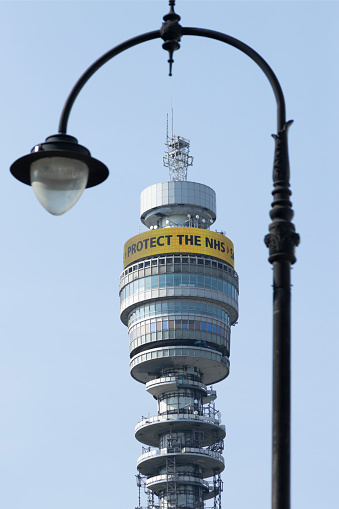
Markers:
60,169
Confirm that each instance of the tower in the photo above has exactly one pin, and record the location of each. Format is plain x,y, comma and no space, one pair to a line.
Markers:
179,298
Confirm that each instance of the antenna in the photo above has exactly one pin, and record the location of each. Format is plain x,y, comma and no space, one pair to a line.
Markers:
172,122
177,158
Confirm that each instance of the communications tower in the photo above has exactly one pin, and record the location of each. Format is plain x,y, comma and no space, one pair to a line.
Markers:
179,298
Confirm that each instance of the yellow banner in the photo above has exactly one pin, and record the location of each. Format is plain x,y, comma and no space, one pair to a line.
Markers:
179,240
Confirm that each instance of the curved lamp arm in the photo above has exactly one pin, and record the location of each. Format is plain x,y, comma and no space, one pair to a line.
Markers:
95,67
156,34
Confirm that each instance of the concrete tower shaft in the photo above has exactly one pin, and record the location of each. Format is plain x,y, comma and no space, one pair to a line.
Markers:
179,298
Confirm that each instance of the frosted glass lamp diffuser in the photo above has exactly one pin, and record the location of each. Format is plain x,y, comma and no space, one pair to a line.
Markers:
58,182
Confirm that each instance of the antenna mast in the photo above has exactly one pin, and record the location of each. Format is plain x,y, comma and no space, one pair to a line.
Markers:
177,158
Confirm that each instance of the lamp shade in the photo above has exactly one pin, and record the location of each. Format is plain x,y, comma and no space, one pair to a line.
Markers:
59,170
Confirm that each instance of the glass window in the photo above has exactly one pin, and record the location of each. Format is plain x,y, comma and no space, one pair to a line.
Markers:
165,325
198,307
152,309
196,325
185,279
177,305
214,329
184,306
162,281
152,326
158,308
219,285
178,324
177,279
207,282
171,324
209,327
193,280
219,330
200,281
169,279
155,282
184,324
203,325
191,307
147,282
159,326
171,307
164,307
191,324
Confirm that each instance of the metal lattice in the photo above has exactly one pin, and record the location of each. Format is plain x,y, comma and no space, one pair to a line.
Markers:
171,482
177,158
218,488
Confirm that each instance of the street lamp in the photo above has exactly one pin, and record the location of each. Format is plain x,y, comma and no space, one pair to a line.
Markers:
60,169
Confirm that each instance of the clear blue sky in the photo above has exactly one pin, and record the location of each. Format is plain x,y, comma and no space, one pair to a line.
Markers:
68,405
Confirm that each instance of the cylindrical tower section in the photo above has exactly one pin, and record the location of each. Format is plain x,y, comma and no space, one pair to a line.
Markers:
179,298
178,203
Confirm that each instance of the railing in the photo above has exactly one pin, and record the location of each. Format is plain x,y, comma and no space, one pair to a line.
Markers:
175,417
180,382
182,450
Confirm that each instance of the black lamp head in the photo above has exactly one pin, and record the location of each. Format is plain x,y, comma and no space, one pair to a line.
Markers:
59,170
60,145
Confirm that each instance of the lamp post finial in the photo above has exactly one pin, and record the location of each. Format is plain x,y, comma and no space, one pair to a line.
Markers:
171,32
